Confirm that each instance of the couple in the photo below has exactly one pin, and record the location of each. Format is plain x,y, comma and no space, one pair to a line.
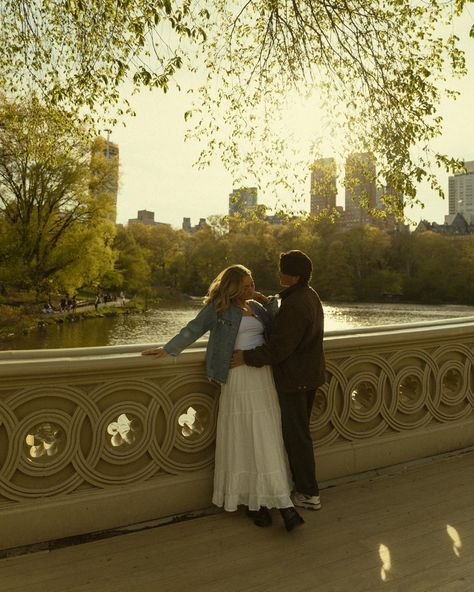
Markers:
262,412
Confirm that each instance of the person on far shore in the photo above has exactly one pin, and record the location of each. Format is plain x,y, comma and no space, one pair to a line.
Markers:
47,308
251,466
295,351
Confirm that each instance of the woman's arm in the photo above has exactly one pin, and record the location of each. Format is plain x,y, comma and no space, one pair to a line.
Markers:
188,334
195,329
270,303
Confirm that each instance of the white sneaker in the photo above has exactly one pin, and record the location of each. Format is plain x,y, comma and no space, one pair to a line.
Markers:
310,502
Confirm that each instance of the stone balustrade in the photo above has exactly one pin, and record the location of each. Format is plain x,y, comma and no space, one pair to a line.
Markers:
95,438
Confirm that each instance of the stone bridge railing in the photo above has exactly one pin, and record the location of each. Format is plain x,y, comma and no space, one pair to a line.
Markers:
96,438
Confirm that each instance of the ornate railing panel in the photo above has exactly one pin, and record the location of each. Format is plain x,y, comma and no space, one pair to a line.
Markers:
393,396
96,438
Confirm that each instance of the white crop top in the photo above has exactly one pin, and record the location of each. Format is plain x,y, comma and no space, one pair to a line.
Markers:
250,333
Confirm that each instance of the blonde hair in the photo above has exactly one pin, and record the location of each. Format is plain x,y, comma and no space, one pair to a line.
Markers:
226,287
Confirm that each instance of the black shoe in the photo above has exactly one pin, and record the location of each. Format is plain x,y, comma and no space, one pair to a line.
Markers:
291,518
261,517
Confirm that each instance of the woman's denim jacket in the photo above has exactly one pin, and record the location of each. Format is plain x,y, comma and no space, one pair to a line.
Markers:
223,328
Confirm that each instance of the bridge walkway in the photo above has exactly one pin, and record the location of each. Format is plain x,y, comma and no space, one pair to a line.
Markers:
408,529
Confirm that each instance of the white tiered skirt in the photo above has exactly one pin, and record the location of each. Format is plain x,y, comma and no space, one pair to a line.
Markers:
251,464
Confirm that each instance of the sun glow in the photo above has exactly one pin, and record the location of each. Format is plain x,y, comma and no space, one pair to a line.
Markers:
455,538
384,553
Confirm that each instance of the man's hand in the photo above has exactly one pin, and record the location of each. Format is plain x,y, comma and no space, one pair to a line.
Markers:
237,359
158,352
259,297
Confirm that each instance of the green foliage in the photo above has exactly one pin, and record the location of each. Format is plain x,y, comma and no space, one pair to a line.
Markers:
366,251
440,269
378,68
54,232
132,271
336,279
10,316
363,263
78,53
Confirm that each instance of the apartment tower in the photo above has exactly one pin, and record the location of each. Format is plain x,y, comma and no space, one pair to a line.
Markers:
360,187
461,193
323,191
241,200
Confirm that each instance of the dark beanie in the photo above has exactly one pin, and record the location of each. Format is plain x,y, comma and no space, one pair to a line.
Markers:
296,263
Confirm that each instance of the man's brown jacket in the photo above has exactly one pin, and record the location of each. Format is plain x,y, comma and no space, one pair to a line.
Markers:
295,348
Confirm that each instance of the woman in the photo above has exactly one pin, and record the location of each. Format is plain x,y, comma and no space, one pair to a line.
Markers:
251,467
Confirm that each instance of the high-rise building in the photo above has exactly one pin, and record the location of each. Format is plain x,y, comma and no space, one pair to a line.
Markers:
241,200
323,190
144,217
360,188
187,227
105,171
461,193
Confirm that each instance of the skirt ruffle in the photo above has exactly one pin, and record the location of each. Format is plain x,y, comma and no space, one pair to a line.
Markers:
251,465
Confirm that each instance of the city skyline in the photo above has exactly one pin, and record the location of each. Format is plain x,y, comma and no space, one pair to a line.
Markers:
157,170
359,175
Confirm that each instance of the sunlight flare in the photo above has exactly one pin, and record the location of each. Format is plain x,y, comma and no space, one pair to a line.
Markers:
384,553
455,538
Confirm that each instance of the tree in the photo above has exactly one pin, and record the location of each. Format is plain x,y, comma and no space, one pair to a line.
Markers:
206,254
367,250
466,285
52,227
337,281
439,268
131,266
379,68
78,53
154,242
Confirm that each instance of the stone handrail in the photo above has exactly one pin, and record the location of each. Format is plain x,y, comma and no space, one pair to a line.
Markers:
96,438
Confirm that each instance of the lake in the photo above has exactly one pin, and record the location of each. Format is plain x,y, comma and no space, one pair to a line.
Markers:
160,324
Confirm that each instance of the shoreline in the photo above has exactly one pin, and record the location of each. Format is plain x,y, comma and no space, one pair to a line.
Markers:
18,324
30,323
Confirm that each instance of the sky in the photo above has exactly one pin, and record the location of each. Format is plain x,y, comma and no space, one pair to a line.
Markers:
156,164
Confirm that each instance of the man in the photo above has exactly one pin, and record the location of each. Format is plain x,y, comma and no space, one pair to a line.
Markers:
295,351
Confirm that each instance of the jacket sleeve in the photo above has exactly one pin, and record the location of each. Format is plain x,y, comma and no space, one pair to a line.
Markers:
287,331
272,307
195,329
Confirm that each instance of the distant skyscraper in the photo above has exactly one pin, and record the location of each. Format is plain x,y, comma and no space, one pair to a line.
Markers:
461,193
242,199
144,217
186,226
323,190
360,192
105,170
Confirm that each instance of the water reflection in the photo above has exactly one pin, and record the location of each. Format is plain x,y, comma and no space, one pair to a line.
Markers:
161,324
352,316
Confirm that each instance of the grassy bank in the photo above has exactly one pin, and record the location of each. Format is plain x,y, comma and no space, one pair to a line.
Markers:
22,319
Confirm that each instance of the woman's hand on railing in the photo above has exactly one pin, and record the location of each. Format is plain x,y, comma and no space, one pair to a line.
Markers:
158,352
